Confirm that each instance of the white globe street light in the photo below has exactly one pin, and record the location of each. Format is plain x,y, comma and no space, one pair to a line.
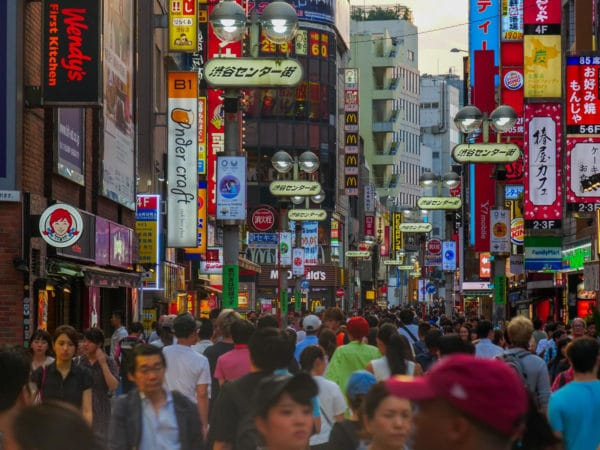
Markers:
228,20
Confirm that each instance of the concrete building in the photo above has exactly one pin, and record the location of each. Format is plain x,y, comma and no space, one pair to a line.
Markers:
384,48
439,102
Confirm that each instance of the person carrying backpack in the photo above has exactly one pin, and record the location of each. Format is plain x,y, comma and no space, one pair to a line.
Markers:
123,355
531,368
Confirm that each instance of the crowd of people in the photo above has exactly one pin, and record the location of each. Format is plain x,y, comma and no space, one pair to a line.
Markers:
378,380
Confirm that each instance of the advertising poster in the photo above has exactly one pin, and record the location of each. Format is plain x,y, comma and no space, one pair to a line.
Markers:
118,165
231,188
71,144
310,242
449,256
182,147
542,155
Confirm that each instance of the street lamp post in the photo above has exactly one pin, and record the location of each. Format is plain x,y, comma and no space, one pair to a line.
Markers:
449,180
279,22
468,120
283,163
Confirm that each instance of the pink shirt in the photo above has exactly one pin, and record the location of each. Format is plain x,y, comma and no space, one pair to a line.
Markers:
233,364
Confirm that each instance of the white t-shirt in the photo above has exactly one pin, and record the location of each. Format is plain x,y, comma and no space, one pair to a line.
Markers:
332,403
186,369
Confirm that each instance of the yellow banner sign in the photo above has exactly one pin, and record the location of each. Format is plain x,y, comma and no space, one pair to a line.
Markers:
183,26
542,66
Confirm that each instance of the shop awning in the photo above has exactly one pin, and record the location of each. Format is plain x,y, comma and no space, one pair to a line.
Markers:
246,264
107,278
213,289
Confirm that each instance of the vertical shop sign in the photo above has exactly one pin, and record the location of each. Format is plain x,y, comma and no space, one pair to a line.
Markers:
183,26
542,49
182,203
351,132
582,102
543,182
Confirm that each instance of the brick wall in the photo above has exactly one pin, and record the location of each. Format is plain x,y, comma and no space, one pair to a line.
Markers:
37,177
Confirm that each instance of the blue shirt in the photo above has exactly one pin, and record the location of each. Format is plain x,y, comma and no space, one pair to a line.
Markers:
485,348
159,431
574,411
309,340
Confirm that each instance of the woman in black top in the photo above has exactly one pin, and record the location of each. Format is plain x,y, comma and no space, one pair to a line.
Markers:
62,380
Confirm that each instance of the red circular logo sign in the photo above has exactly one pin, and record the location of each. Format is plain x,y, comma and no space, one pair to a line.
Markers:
263,219
434,246
339,292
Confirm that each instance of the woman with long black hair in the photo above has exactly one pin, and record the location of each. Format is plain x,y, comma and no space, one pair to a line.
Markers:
397,356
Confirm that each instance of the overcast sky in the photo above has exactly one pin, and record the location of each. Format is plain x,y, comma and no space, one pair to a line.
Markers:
442,26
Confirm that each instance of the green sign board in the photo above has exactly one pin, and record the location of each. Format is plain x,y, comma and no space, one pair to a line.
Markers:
500,289
283,302
297,301
231,276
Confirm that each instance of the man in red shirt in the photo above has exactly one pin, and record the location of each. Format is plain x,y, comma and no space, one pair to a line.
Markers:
236,362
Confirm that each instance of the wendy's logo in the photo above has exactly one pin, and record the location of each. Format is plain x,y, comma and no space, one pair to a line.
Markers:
61,225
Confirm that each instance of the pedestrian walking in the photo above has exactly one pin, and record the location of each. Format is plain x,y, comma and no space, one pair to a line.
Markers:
40,348
62,380
117,322
151,417
574,410
236,363
397,356
485,348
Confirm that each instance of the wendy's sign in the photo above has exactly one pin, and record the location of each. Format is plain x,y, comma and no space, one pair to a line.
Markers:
71,52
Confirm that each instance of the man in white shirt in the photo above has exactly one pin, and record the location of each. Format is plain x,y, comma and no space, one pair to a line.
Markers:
188,371
116,320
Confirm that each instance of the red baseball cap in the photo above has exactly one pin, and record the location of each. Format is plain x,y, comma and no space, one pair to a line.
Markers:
358,327
487,390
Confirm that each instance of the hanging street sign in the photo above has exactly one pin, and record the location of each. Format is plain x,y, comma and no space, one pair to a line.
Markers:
289,188
491,153
307,214
358,254
416,227
439,203
252,72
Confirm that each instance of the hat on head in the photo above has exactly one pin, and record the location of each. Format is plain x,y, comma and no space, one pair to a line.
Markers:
311,323
358,327
168,323
487,390
359,383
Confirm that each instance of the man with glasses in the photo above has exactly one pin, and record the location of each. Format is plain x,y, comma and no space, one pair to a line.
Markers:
151,417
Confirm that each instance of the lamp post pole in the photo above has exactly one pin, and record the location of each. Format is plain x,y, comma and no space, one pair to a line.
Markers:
468,120
228,19
231,228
